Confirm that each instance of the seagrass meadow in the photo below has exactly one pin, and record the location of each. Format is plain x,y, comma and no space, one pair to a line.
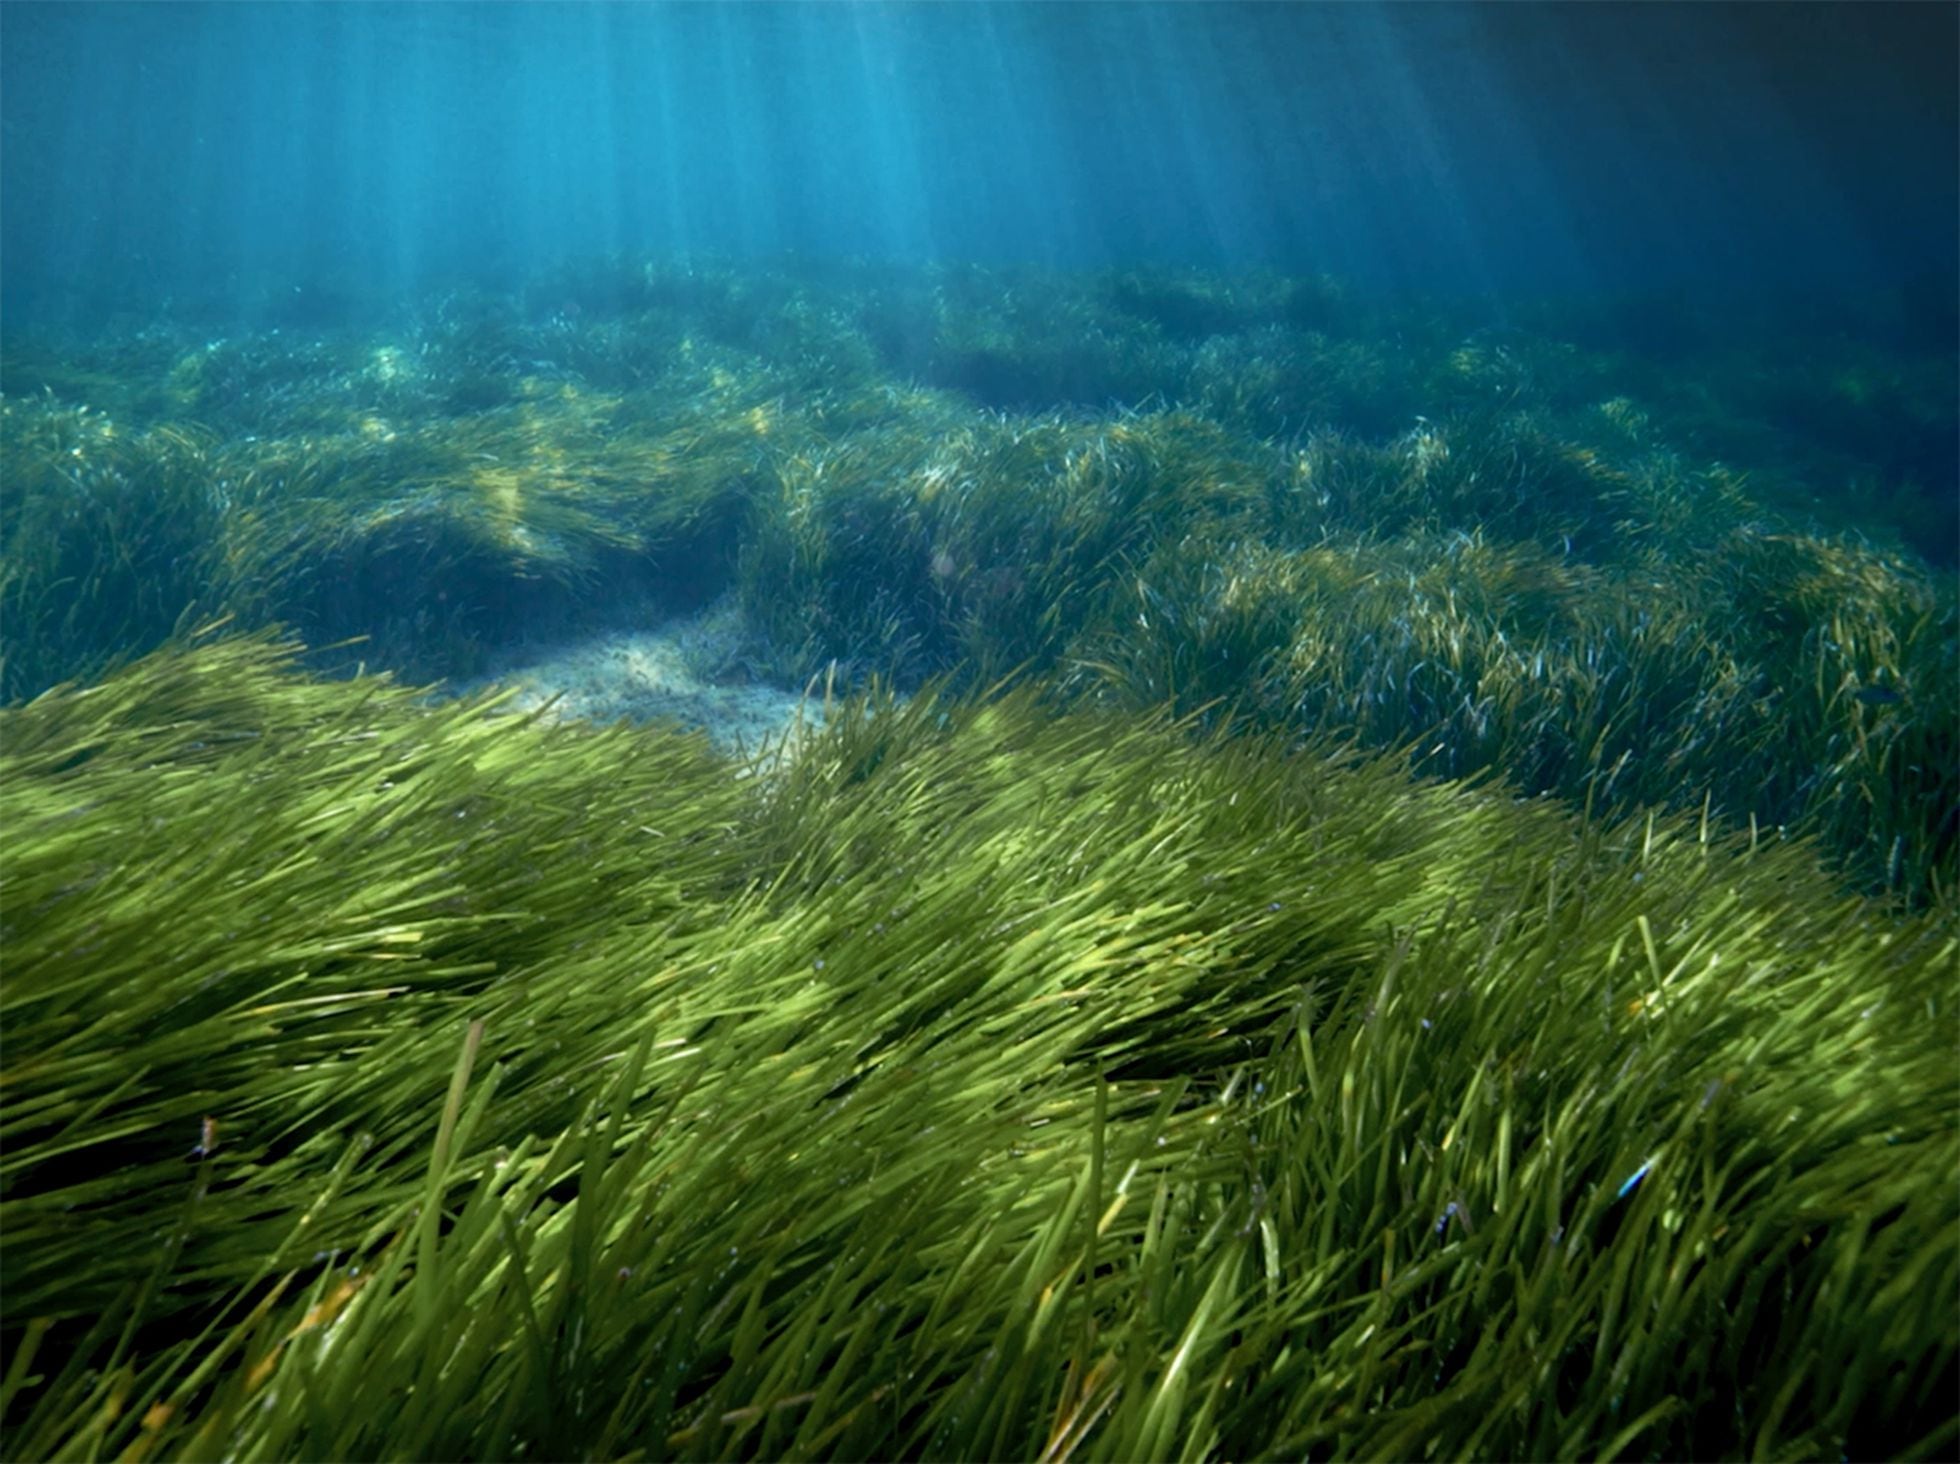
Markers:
1356,886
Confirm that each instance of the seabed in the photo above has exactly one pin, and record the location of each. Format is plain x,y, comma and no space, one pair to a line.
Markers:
1350,885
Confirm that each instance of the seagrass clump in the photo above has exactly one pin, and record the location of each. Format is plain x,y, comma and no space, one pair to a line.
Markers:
387,1078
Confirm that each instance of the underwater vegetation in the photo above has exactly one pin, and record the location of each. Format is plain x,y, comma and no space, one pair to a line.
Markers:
1310,511
419,1080
1153,488
1380,887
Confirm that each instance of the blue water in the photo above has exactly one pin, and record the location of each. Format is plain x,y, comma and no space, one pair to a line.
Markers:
282,159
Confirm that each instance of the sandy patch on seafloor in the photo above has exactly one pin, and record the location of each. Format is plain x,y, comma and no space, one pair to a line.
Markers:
688,669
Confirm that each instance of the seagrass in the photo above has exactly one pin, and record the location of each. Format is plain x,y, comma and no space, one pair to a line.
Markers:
426,1081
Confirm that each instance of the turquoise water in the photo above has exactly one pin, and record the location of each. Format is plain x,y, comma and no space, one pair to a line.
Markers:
284,161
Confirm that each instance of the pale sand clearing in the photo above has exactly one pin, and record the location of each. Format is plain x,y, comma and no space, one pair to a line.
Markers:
687,670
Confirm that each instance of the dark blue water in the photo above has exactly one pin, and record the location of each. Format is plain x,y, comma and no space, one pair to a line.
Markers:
287,158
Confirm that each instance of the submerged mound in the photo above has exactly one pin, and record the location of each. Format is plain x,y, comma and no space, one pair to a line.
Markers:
1698,580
